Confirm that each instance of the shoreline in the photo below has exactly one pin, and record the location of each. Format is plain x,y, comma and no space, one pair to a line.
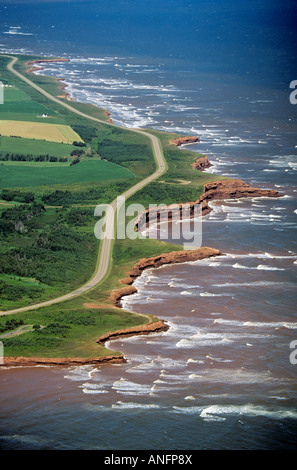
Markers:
173,257
179,141
147,328
22,361
150,327
63,86
212,191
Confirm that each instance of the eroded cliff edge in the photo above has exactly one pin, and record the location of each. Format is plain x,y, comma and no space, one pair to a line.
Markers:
201,163
213,191
190,139
62,361
154,324
174,257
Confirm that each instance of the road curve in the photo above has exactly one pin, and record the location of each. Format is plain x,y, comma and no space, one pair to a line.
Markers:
106,243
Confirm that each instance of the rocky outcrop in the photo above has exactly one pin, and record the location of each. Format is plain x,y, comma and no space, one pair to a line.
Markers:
201,163
184,140
151,327
215,190
116,296
231,189
108,114
155,214
62,87
62,361
174,257
40,61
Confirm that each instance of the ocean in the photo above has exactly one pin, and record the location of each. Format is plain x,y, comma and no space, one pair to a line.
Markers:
223,376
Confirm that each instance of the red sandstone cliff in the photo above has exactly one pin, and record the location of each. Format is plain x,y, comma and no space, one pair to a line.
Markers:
40,61
231,189
184,140
215,190
61,361
150,327
59,59
174,257
201,163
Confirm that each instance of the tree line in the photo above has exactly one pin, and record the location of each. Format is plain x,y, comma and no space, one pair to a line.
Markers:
20,157
19,196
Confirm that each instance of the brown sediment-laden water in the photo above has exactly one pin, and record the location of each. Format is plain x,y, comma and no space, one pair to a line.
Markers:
222,376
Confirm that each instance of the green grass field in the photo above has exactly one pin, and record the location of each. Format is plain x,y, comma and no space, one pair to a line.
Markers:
71,332
14,145
28,174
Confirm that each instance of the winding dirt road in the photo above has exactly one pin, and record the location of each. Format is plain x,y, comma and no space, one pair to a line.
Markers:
106,243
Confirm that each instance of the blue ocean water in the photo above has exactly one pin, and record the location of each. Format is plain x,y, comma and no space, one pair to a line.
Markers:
221,377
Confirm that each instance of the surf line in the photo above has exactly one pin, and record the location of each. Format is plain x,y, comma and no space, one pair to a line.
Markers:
225,189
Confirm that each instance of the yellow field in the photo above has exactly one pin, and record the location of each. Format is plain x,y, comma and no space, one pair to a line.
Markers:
39,130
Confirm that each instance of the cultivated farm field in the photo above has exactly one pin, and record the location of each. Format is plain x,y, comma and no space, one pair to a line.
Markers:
30,174
38,130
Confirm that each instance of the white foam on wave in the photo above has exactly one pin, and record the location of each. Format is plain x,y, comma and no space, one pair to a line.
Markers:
211,294
252,284
120,405
80,373
195,361
174,379
232,376
130,388
240,266
93,392
172,284
264,267
238,323
259,267
220,412
157,363
293,165
206,339
185,292
271,256
16,30
217,359
93,388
